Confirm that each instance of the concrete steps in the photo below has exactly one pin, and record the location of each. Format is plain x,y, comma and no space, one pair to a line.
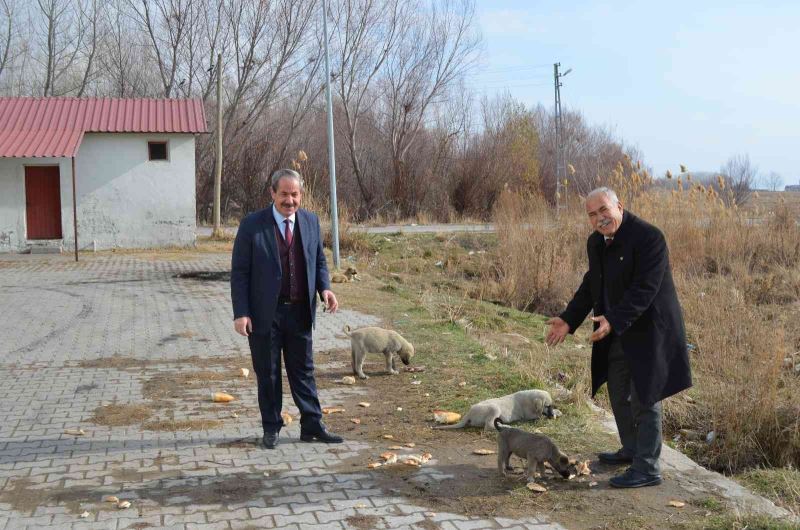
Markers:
46,246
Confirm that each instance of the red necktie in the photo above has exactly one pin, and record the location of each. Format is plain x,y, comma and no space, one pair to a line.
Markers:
288,234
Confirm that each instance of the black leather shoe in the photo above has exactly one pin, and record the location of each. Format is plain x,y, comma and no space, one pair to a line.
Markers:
270,440
634,479
320,436
615,458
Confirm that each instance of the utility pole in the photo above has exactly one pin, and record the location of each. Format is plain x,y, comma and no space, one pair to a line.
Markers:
560,159
331,151
217,231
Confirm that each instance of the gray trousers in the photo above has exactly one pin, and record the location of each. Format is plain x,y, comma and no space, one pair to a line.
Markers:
639,426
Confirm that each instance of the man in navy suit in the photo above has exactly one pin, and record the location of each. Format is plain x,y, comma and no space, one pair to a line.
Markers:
277,269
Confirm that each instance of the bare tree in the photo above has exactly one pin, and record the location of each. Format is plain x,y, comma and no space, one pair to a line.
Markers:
268,41
774,181
61,42
7,16
739,175
365,33
124,56
166,24
435,49
89,17
215,36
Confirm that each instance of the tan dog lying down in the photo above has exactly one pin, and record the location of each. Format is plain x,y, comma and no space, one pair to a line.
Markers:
377,340
522,405
349,275
535,448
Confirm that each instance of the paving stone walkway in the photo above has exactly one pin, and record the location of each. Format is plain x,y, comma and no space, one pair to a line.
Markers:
124,330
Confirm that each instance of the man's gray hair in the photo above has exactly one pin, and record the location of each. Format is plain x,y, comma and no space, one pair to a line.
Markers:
285,174
603,190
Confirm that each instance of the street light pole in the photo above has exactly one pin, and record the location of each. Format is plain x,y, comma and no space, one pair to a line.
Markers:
331,151
216,232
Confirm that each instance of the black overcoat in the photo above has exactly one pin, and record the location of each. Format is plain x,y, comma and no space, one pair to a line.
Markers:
644,313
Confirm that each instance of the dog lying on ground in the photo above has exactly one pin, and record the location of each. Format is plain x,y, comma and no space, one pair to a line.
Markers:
377,340
522,405
349,275
535,448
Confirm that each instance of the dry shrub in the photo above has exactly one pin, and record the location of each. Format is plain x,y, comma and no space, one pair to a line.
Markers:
738,282
351,242
743,392
535,258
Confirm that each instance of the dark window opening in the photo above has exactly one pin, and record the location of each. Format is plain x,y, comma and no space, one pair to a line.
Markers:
157,150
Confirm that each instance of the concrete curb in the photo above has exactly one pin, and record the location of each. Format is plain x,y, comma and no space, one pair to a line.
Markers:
695,477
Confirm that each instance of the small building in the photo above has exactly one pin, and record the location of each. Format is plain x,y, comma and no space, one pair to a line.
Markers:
120,170
792,187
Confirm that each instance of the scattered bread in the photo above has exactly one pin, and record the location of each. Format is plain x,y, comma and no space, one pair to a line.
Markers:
221,397
445,417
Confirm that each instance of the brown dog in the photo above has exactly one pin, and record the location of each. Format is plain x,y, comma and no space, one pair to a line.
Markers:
349,275
535,448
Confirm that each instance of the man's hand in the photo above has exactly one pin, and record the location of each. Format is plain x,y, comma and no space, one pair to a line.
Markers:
558,331
243,326
603,331
331,304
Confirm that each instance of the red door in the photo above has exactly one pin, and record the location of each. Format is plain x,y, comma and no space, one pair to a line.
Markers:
43,202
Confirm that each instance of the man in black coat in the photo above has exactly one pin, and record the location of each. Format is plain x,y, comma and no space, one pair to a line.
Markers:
639,340
277,268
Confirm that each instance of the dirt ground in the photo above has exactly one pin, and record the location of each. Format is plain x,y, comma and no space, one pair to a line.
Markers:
474,486
399,414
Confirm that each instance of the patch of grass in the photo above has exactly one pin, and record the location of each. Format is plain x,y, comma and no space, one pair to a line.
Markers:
731,522
781,486
363,522
709,504
491,349
182,425
116,415
177,385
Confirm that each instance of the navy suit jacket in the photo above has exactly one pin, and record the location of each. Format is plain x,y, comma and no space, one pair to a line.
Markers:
256,267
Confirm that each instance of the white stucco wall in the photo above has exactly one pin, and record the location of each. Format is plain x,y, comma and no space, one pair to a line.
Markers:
12,198
124,200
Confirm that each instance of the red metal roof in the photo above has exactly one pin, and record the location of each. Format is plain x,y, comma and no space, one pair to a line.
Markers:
54,127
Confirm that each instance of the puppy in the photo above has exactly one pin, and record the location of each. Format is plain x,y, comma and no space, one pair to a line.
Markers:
522,405
377,340
535,448
349,275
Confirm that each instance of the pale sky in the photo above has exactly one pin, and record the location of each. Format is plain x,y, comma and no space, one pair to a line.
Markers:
687,82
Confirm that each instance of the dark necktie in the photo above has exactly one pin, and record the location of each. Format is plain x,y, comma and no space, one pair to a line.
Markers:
609,241
288,234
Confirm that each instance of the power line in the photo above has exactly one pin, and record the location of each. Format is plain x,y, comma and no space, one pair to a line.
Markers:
511,69
508,85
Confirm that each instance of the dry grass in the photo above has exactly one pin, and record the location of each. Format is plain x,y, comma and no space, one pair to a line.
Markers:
739,285
121,414
782,486
532,269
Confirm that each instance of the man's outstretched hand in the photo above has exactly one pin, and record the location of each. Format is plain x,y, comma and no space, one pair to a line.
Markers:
558,331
